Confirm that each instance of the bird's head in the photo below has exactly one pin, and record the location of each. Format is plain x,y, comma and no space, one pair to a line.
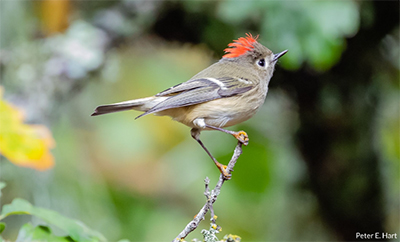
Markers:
247,51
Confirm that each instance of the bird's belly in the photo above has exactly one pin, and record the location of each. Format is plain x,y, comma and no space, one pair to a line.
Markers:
228,117
222,112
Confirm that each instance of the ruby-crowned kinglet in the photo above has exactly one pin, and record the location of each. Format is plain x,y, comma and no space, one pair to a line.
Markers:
224,94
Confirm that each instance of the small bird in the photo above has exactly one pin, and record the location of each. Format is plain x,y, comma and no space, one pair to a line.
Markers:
226,93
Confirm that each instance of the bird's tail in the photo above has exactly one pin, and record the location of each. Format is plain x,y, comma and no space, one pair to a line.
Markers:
142,104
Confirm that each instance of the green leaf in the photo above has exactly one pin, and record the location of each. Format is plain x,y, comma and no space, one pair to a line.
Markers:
2,185
18,206
2,227
30,233
76,229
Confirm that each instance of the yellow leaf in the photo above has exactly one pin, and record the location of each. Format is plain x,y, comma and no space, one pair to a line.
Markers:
54,15
23,144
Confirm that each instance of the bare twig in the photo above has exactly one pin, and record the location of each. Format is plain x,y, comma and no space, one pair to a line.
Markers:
211,197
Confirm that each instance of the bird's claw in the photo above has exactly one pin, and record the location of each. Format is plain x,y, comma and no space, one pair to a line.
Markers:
242,137
224,172
227,176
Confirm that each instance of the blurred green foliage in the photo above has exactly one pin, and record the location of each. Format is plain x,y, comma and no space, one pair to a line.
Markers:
75,229
129,178
39,233
311,30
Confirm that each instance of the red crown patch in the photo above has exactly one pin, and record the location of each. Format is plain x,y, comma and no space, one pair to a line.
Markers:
240,46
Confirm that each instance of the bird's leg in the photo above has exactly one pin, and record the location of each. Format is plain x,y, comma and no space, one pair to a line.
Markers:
241,136
222,168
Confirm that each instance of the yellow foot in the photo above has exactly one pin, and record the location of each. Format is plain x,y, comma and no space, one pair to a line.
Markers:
222,169
242,137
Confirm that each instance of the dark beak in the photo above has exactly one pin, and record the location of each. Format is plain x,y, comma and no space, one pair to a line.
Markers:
279,55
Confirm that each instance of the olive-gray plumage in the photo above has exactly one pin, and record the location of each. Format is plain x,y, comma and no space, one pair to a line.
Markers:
226,93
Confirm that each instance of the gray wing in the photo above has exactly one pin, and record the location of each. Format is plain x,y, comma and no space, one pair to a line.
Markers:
199,91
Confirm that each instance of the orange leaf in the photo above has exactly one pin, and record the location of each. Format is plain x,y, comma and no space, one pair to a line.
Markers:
23,144
54,15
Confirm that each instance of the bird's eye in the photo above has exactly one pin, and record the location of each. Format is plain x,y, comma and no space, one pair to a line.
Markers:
261,62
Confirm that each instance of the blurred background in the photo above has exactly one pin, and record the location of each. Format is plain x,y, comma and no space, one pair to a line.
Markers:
324,152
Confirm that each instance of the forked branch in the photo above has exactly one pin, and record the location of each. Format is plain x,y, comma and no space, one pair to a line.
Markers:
211,197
